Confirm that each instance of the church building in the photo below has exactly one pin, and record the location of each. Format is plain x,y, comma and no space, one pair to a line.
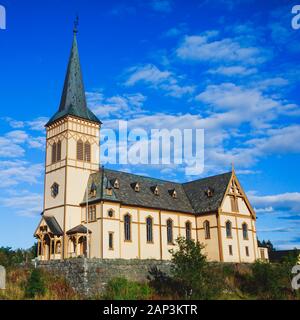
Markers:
99,213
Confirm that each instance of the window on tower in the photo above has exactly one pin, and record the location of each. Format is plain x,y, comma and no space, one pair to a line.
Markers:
54,150
80,150
58,155
87,152
54,190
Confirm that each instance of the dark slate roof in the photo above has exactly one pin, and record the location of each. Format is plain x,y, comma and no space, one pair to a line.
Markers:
53,226
279,255
191,197
196,192
73,100
78,229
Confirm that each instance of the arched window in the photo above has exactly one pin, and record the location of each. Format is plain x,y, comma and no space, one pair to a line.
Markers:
58,247
80,150
206,227
245,231
170,231
228,229
54,150
188,230
58,157
149,225
87,152
127,227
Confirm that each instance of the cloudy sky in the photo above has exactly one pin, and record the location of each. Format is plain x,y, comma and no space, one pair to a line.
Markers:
229,67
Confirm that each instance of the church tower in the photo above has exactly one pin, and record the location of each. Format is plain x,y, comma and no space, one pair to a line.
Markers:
72,154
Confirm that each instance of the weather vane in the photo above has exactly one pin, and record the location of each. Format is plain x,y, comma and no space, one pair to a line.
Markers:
76,23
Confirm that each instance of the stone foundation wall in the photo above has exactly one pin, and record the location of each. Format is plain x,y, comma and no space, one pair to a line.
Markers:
90,276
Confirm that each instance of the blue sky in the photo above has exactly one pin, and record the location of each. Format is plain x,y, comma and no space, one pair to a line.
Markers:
229,67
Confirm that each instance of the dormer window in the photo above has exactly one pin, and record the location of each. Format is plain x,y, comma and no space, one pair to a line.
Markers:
155,190
116,184
93,190
209,192
54,190
109,191
136,187
173,193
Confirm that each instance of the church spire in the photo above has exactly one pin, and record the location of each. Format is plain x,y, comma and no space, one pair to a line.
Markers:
73,100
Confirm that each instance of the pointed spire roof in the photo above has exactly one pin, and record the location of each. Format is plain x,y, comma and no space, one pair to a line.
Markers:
73,100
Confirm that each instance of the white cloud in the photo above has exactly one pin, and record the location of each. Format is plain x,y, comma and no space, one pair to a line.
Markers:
24,204
157,79
205,48
233,71
117,106
18,171
284,201
146,73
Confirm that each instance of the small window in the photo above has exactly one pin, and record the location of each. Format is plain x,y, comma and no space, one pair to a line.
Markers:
80,150
116,184
228,229
247,251
127,227
136,187
188,231
54,190
58,158
93,190
54,152
245,231
87,152
110,213
234,204
111,241
156,191
92,213
170,231
109,191
206,226
174,194
230,250
262,254
209,192
149,225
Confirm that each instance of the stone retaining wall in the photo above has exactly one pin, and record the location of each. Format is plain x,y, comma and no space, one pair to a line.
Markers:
89,276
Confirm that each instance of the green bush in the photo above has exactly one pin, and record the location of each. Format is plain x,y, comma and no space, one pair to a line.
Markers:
195,277
268,281
35,285
123,289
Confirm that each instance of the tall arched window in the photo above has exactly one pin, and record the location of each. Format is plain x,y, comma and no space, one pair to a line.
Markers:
170,231
206,227
188,230
87,152
127,227
245,231
228,229
149,225
54,150
58,158
80,150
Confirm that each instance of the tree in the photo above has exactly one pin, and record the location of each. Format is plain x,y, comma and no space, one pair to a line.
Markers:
191,270
35,285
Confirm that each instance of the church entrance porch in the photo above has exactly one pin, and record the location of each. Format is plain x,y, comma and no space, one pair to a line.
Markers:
77,242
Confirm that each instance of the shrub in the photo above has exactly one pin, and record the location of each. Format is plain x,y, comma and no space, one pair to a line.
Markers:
123,289
35,285
196,278
268,281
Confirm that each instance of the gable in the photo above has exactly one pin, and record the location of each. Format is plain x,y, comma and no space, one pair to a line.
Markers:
235,192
